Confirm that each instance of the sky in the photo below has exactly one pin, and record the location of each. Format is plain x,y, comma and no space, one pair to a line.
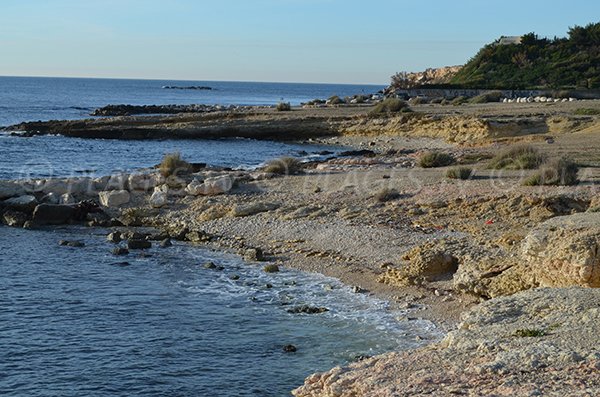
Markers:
329,41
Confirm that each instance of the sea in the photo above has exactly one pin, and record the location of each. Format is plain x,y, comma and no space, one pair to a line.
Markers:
82,322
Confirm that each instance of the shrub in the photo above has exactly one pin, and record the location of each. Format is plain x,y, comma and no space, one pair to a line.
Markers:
517,158
459,173
459,100
387,194
491,96
173,164
435,159
283,107
389,105
587,112
562,172
334,100
530,333
284,166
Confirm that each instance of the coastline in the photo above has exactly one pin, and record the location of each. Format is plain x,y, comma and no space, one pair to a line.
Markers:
329,219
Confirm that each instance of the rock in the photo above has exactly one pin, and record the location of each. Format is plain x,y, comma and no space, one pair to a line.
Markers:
210,186
234,277
289,349
254,255
120,251
210,265
117,182
564,251
358,290
252,209
271,268
138,244
114,237
14,218
25,203
197,236
66,198
72,243
305,309
160,196
144,182
51,214
50,198
114,198
165,243
10,189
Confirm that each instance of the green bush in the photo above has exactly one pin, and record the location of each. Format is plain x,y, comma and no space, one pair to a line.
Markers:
435,159
587,112
390,105
173,164
459,173
387,194
284,166
492,96
562,172
517,158
283,107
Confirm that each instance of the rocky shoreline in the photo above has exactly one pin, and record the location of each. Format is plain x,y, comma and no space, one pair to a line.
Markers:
508,270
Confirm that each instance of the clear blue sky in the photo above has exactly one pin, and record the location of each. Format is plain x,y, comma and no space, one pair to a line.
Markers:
343,41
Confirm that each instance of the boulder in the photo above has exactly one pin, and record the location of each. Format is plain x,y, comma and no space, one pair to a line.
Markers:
144,182
271,268
25,203
160,197
66,198
114,198
51,214
72,243
564,251
210,186
50,198
120,251
138,244
252,209
254,255
114,237
305,309
117,182
14,218
10,189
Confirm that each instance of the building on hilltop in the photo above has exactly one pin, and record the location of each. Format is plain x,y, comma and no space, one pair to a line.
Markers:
507,40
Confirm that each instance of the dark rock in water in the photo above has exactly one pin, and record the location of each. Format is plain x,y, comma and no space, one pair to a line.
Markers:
210,265
234,277
254,255
361,357
358,290
114,237
22,203
72,243
121,264
271,269
165,243
363,152
191,87
57,214
131,235
268,286
14,218
134,244
120,251
290,349
128,110
305,309
324,153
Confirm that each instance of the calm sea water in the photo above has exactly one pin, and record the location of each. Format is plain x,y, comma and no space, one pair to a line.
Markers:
75,322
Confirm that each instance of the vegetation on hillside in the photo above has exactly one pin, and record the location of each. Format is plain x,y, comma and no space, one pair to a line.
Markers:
571,62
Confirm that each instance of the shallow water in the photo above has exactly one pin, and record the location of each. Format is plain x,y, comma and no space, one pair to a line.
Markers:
74,322
55,156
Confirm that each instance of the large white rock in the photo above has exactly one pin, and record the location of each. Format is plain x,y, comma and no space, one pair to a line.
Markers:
10,189
160,196
210,186
114,198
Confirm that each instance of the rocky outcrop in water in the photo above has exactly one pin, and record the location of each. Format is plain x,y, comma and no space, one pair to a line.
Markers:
129,110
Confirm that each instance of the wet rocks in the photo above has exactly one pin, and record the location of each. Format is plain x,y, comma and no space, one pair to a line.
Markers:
14,218
254,255
24,203
56,214
165,243
305,309
118,251
114,237
272,268
138,244
114,198
290,349
10,189
72,243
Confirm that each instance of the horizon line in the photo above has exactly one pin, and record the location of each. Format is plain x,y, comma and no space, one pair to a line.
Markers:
195,80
